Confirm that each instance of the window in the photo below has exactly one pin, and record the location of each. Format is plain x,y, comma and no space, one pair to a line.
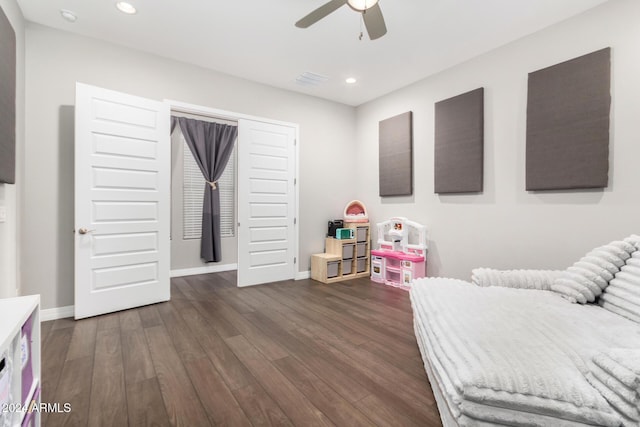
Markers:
193,193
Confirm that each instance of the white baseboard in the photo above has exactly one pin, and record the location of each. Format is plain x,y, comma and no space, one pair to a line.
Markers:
56,313
301,275
203,270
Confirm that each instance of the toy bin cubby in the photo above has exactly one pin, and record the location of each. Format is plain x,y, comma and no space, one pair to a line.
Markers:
20,361
344,259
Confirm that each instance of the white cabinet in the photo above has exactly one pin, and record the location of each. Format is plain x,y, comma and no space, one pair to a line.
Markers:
20,361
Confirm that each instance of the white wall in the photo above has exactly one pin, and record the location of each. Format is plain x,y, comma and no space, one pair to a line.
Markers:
55,60
9,244
506,226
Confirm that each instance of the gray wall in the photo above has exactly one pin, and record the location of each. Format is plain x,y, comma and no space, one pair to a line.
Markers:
505,226
55,60
9,194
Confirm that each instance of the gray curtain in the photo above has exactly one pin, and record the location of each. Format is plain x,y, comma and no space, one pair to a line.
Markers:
211,145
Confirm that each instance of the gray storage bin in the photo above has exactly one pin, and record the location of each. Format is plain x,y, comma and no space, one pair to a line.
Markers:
347,250
332,269
362,250
347,266
362,265
361,234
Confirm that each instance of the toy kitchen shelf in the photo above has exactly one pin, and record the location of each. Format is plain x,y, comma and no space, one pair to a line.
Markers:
401,253
344,259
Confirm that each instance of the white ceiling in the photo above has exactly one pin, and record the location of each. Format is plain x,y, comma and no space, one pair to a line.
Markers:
257,39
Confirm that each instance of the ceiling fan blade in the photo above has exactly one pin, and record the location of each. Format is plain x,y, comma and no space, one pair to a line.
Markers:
320,13
374,21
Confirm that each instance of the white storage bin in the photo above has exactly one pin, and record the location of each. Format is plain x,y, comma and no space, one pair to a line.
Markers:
347,266
332,269
361,265
347,251
361,234
361,250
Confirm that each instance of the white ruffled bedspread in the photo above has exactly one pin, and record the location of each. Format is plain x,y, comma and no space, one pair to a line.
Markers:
515,356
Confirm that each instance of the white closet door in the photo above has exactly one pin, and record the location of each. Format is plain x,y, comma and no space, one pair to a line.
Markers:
267,243
122,190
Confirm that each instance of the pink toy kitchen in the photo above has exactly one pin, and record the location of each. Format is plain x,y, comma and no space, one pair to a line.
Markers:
402,253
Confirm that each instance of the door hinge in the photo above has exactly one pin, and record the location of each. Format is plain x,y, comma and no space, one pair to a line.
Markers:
238,223
295,142
295,221
295,181
295,260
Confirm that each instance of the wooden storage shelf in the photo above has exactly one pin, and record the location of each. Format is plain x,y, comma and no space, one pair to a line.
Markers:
344,252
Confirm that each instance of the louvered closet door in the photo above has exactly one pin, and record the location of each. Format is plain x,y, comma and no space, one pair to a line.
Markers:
267,243
122,188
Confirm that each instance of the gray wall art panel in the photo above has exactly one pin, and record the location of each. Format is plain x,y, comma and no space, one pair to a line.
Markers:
7,100
459,143
568,109
396,155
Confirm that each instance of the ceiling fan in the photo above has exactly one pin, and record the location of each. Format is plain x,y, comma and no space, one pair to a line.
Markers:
370,10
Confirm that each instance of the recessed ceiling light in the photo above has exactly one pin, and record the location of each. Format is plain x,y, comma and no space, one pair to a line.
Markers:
351,80
125,7
68,15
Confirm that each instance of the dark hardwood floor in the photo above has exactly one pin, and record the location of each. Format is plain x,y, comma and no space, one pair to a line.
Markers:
291,353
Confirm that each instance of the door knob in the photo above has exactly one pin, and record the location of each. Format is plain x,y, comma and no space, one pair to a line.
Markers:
84,230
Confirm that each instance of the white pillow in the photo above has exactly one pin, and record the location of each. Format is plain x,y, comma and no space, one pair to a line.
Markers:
622,296
585,280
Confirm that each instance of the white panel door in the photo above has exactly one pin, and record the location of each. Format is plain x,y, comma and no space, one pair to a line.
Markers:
122,184
267,242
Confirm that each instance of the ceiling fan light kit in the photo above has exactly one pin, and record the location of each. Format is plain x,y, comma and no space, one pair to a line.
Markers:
369,9
361,5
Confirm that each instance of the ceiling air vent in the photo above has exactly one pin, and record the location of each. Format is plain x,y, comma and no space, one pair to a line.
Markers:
311,79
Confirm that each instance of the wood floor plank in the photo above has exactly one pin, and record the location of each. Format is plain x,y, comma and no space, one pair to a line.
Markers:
307,309
316,359
185,343
181,400
321,395
270,349
136,357
108,321
54,353
415,404
67,322
216,398
293,403
403,343
45,328
397,326
234,373
108,404
384,415
260,407
343,293
75,389
183,289
392,357
149,316
130,320
84,338
220,324
145,405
